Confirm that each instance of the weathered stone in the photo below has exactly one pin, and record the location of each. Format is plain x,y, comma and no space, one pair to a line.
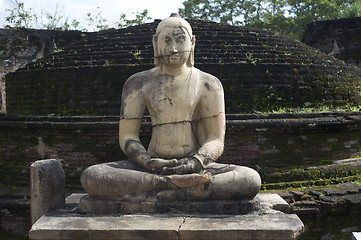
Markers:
246,227
338,38
307,211
187,111
353,198
286,196
354,203
250,227
71,227
274,201
247,84
22,46
331,199
263,224
327,207
309,203
297,194
90,204
47,187
315,193
350,188
18,135
334,191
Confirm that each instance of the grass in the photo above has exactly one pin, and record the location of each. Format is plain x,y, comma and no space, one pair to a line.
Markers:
322,109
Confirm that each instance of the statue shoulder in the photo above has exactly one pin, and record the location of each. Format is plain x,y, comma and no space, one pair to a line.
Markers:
210,82
136,81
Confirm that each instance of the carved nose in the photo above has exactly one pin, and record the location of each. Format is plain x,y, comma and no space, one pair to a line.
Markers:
174,50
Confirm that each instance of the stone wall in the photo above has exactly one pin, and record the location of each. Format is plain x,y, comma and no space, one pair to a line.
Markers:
260,141
340,38
259,70
19,47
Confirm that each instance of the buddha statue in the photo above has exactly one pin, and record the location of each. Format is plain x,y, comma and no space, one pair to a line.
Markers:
187,112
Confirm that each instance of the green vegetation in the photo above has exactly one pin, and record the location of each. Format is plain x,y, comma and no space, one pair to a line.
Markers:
321,109
20,16
287,17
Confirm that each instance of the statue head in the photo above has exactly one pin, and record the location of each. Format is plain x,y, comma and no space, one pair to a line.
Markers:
173,42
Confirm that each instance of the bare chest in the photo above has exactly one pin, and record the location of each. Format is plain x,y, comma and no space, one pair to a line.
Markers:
170,101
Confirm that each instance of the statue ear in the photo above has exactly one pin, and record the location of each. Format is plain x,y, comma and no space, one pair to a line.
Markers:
190,62
155,41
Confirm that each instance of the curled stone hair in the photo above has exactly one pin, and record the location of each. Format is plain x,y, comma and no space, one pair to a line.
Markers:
174,21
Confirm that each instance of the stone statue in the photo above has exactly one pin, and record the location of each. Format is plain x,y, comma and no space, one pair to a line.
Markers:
187,112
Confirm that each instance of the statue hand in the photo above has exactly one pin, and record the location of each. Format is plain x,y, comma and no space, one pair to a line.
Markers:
184,166
157,164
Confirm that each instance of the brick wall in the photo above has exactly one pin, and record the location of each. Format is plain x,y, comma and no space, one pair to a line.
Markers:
19,47
259,70
339,38
261,141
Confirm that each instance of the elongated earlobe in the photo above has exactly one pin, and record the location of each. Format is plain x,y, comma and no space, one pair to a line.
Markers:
156,60
190,62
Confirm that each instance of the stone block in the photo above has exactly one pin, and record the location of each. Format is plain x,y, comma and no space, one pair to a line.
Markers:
47,187
90,204
274,201
266,223
101,227
253,226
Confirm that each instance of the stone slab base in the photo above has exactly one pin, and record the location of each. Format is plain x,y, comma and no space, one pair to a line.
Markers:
90,204
264,224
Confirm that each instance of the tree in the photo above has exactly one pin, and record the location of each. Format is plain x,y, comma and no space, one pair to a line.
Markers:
287,17
96,21
140,18
19,16
22,17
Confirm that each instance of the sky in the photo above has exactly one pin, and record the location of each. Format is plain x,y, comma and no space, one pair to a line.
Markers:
111,10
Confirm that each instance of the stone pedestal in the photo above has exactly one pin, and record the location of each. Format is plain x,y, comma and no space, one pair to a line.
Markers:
90,204
47,187
266,223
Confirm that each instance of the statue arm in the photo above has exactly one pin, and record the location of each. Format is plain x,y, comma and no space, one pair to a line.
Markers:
211,124
131,114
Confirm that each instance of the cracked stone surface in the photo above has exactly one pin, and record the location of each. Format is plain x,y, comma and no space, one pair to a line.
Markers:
266,223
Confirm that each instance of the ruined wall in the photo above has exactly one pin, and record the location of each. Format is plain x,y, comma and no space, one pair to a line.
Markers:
19,47
340,38
259,141
259,70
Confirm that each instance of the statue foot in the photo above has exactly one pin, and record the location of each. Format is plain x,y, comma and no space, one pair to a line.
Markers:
199,192
189,180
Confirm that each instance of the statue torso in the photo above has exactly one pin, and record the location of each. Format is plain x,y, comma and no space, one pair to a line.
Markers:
171,103
176,106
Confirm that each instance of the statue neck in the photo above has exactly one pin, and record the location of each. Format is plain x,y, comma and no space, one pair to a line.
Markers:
173,70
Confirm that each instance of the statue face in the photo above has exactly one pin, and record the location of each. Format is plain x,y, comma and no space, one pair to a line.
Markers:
174,46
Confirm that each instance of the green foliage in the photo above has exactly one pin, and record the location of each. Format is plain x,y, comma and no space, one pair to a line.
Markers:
287,17
96,21
20,16
57,20
139,19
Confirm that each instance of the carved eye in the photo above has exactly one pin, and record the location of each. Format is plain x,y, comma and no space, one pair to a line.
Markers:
181,39
167,39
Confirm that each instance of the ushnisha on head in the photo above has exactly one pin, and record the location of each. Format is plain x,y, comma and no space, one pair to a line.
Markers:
173,42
